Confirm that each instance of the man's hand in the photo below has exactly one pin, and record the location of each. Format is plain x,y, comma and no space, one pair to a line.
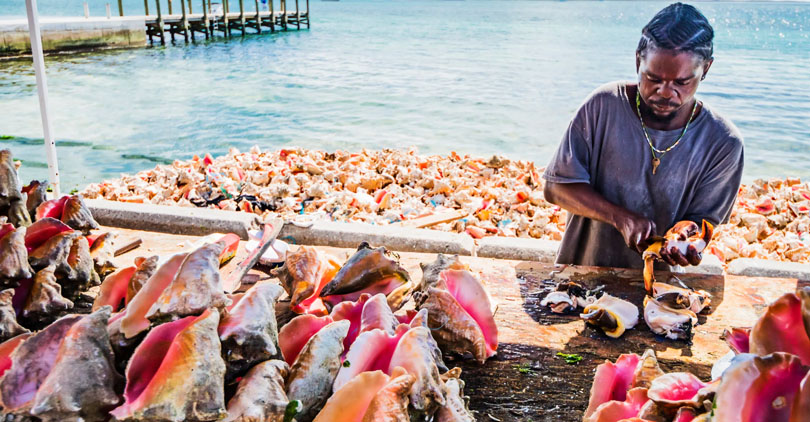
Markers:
673,256
635,229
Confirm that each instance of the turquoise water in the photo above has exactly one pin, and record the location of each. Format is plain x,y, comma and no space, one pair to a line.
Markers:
474,76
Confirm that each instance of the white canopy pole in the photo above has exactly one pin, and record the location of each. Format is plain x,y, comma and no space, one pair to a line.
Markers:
42,90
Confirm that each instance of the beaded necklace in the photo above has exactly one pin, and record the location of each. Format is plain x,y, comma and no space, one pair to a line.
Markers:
656,160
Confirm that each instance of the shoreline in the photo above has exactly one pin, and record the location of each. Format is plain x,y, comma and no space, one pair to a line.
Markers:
479,197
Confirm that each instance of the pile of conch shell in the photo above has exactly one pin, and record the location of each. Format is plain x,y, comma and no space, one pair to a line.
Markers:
500,197
164,342
767,377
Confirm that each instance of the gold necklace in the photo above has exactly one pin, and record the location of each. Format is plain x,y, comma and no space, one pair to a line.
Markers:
656,161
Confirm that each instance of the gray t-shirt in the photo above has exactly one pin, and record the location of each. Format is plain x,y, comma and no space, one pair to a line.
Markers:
605,147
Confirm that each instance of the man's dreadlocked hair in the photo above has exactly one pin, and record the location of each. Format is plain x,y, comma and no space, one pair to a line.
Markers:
679,27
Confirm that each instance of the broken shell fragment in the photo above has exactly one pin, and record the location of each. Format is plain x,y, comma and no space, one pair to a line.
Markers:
672,323
82,382
613,315
248,331
461,308
176,373
314,370
260,396
14,259
195,288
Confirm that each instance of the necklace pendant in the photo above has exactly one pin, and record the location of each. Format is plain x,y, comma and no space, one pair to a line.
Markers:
655,162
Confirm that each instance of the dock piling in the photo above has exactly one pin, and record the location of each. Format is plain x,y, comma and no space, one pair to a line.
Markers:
206,22
258,17
146,7
227,28
242,16
297,16
185,21
170,7
86,11
272,17
307,14
120,8
161,30
190,11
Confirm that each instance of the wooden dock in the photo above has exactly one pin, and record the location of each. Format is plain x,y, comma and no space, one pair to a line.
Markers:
221,19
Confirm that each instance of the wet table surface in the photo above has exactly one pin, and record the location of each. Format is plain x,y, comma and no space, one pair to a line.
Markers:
526,380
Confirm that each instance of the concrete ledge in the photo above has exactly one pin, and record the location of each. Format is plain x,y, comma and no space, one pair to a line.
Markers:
350,235
169,219
518,248
763,268
65,33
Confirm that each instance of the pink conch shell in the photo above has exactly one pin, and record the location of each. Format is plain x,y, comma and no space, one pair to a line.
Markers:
737,339
419,354
144,270
260,396
782,329
177,373
82,269
195,288
612,381
368,271
616,410
8,316
76,215
54,251
51,209
460,306
81,384
102,250
304,274
371,351
455,408
294,335
431,272
31,363
113,290
313,372
677,389
248,331
370,396
14,259
45,297
762,389
7,348
42,230
135,321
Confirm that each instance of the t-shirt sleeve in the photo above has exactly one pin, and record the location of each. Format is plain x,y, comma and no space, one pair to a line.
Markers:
570,163
717,190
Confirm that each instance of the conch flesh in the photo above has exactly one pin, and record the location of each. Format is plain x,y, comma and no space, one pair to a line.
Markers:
568,296
680,237
666,319
613,315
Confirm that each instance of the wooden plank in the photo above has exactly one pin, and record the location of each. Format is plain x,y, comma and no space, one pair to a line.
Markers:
432,220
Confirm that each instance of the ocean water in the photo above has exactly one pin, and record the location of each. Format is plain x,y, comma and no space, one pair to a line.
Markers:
478,77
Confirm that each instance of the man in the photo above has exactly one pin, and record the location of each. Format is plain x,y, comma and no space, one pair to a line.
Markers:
638,158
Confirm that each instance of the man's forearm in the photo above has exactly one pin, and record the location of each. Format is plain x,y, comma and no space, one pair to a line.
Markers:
582,199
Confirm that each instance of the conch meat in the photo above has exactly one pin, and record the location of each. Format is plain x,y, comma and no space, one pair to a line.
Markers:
177,373
260,396
461,309
680,237
670,319
613,315
568,296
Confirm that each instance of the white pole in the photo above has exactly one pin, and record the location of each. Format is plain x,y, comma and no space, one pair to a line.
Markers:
42,90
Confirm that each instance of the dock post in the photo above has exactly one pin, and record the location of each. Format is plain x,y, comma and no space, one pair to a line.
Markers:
190,12
146,7
284,14
185,20
227,29
242,15
272,17
160,24
258,18
205,21
170,7
307,14
86,11
120,8
297,16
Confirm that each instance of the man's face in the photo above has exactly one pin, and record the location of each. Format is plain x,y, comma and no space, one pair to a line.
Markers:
668,80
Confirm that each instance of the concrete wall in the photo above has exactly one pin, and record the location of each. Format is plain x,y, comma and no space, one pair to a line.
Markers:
73,33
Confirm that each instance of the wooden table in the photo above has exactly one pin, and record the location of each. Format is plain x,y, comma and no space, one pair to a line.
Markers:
526,381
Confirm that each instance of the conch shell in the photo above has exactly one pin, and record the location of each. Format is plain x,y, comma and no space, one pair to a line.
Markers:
772,388
432,271
31,363
461,308
113,290
102,250
8,316
248,331
613,315
54,251
370,396
613,385
134,320
14,259
456,407
311,376
785,327
42,230
71,210
82,382
7,348
145,267
177,373
45,297
304,274
195,288
11,198
680,237
367,271
35,191
260,396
